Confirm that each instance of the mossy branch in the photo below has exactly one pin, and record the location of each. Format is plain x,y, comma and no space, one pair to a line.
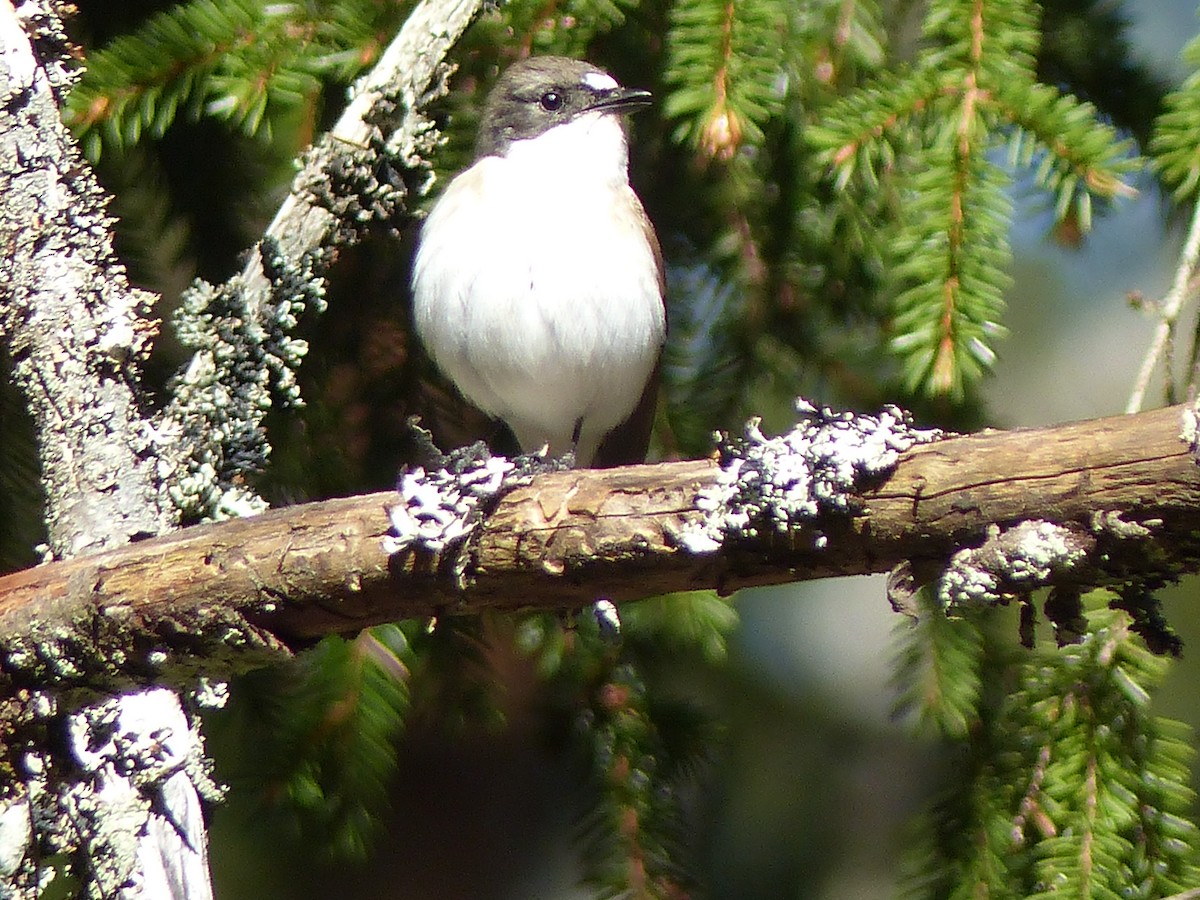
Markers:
1129,486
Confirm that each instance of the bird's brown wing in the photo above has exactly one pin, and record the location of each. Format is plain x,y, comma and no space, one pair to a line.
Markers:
627,444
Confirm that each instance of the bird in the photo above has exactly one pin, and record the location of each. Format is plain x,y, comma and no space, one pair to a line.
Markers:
537,284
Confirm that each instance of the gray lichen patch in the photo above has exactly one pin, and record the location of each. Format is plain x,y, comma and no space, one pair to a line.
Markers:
1111,522
441,504
1012,562
118,769
103,650
1189,427
243,332
439,508
818,468
245,358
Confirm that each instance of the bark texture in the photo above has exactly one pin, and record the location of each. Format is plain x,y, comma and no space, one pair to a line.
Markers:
73,325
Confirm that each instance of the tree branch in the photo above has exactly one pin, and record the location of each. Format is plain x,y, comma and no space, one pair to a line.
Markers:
571,537
75,328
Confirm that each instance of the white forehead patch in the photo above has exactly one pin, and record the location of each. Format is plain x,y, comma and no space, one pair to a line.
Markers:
598,81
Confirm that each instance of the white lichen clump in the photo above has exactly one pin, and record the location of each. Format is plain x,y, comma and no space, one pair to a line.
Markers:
1189,427
439,508
1015,561
817,468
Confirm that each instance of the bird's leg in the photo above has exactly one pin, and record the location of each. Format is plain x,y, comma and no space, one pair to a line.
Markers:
575,433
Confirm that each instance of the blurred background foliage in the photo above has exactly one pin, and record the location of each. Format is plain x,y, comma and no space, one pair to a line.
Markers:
937,204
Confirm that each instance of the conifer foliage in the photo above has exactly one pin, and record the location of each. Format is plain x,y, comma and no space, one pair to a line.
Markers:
929,132
1064,785
317,740
833,197
259,67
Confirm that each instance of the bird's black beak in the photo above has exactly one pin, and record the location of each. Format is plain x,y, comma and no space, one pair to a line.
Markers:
621,100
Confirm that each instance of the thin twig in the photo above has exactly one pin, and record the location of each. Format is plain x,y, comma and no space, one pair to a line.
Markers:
1171,307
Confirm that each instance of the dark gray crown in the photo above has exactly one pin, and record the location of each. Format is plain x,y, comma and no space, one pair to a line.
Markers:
536,94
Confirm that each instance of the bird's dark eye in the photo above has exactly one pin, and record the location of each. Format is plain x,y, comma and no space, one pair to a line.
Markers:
551,101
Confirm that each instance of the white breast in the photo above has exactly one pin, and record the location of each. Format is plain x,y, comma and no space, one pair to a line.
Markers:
536,289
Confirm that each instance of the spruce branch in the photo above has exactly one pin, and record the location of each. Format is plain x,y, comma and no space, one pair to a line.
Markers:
318,749
249,63
561,27
971,90
1173,145
723,71
140,82
1102,779
937,671
951,272
703,371
1070,784
1077,158
853,138
639,747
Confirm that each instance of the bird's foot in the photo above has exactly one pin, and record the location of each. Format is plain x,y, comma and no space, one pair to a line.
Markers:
442,501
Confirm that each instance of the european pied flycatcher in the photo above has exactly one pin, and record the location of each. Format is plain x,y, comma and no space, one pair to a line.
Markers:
537,285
